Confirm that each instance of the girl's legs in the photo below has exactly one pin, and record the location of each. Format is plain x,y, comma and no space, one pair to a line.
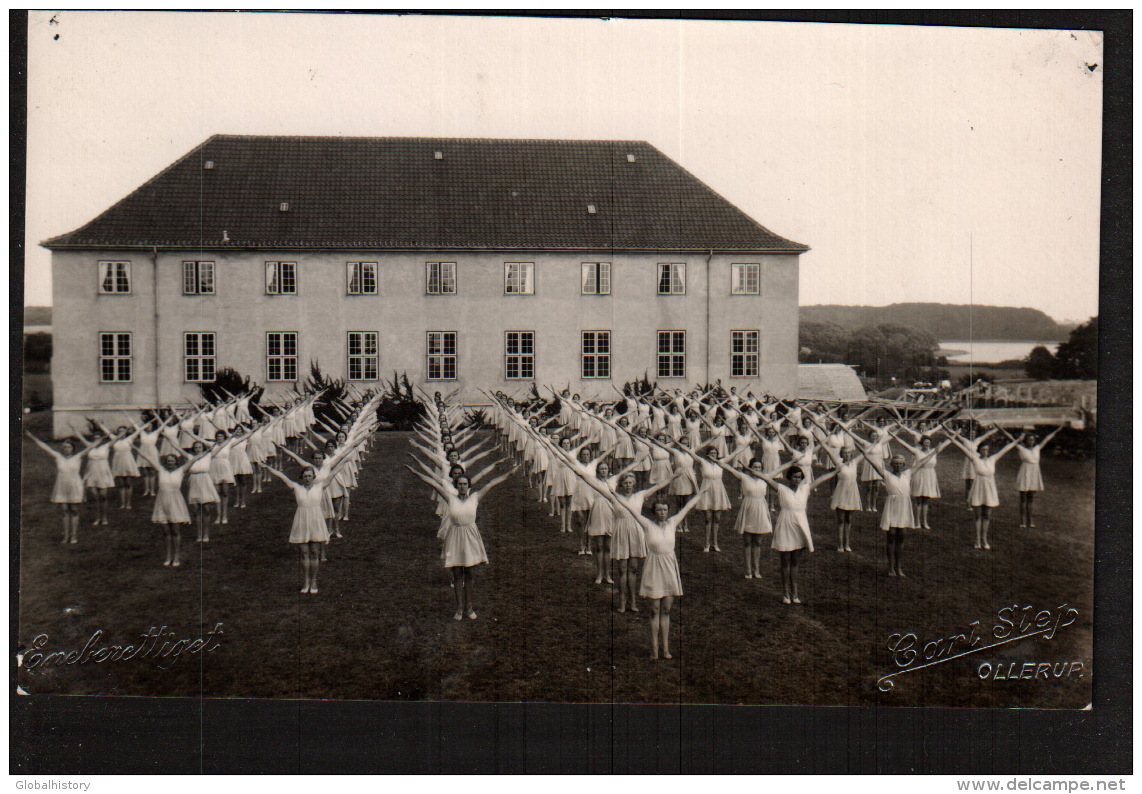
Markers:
716,520
345,506
922,508
224,490
841,534
890,550
605,558
168,534
458,589
793,576
257,485
984,525
786,585
979,526
1030,504
679,502
655,612
664,625
898,543
241,485
303,548
708,521
747,550
634,564
757,557
122,489
967,490
624,567
579,519
66,510
469,583
316,552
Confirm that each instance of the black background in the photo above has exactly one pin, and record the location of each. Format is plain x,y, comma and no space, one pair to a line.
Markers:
81,735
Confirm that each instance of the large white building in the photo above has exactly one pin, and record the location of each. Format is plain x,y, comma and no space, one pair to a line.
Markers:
462,263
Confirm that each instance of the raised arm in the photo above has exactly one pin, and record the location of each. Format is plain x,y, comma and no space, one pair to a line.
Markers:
44,446
492,483
686,508
1048,437
281,476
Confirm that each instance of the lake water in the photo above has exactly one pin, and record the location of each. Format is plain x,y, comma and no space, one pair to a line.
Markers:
989,352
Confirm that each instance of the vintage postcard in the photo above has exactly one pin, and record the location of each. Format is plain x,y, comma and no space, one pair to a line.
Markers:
406,358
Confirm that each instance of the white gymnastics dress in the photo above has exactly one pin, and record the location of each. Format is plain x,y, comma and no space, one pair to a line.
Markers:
660,576
791,530
1030,476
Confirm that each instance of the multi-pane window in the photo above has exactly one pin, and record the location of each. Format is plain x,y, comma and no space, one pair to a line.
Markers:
671,278
519,355
362,355
518,278
596,354
114,357
199,357
440,278
746,279
281,278
743,354
197,278
361,278
442,355
114,278
596,278
281,355
671,354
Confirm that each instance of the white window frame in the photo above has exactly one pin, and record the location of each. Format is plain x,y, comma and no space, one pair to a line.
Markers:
116,274
675,274
198,358
745,278
596,278
197,278
357,276
442,281
281,358
741,356
366,358
440,278
120,358
519,278
436,346
591,351
671,356
276,273
522,362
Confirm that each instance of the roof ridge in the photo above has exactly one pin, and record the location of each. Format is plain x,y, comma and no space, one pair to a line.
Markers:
238,136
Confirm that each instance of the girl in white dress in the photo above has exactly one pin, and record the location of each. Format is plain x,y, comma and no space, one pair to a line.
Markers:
897,514
628,545
925,483
967,471
98,478
715,499
200,490
149,451
463,546
1030,477
753,516
984,496
170,509
791,531
124,467
308,530
67,492
661,581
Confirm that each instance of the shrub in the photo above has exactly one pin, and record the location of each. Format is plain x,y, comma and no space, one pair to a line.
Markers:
399,407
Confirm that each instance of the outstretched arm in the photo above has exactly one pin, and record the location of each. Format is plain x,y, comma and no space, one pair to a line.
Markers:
492,483
42,445
281,476
686,508
1047,438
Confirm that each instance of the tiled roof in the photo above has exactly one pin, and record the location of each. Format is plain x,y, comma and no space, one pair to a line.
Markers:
399,193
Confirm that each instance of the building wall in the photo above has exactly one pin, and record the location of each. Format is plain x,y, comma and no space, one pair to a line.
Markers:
240,314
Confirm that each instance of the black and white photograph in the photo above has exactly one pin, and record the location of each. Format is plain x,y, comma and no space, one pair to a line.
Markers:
571,361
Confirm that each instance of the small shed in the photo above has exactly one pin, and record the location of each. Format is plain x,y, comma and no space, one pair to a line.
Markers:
831,382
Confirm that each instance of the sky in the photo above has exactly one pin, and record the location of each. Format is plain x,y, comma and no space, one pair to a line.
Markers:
952,165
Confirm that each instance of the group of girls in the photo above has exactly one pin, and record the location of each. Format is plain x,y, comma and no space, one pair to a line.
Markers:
219,453
594,467
450,471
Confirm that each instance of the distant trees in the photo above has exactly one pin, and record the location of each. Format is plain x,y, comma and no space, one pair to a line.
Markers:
884,350
1076,359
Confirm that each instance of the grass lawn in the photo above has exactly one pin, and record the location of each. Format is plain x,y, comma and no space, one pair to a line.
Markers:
382,625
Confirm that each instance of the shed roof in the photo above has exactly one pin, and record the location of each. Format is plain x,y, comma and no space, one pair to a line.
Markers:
830,382
425,193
